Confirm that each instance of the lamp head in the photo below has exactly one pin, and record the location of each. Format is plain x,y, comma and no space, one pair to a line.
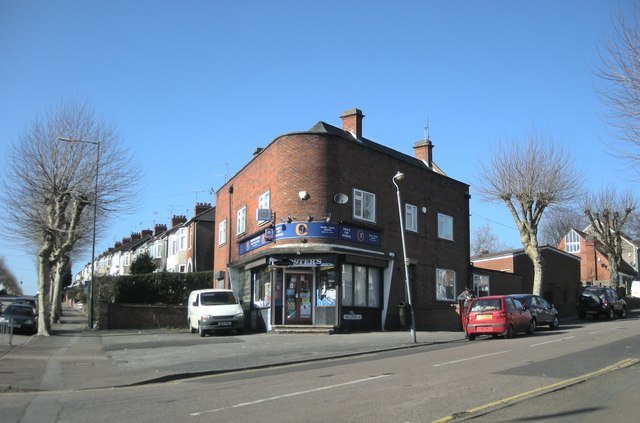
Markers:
398,176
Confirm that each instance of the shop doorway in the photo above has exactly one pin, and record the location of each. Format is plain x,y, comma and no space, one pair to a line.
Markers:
298,307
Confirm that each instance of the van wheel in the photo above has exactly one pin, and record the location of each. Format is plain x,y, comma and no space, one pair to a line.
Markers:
200,331
509,333
191,328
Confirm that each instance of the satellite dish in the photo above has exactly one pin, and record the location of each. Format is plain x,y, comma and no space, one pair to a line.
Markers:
340,198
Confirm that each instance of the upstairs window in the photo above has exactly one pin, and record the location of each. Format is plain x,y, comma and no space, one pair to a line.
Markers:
445,227
572,242
182,239
364,205
222,233
411,217
241,221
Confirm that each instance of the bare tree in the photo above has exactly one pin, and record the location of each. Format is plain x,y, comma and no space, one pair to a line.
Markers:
485,241
529,175
620,69
8,281
50,190
608,213
558,221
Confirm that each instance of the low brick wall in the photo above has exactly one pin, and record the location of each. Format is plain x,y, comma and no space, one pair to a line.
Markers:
140,316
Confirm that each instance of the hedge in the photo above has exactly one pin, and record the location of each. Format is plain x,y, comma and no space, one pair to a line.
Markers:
151,288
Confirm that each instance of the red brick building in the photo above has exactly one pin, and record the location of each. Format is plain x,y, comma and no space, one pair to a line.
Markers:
308,232
561,275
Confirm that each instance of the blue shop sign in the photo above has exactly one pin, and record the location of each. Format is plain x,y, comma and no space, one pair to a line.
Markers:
307,229
365,236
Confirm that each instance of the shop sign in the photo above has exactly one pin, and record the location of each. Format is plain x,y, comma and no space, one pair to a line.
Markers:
252,244
307,229
365,236
352,317
312,262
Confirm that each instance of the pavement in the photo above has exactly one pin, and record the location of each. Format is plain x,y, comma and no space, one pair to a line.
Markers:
75,358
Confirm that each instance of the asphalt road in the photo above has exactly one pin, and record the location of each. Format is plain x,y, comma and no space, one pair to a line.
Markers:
430,383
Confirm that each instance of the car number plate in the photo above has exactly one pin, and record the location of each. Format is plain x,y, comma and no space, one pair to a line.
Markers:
483,328
483,316
224,323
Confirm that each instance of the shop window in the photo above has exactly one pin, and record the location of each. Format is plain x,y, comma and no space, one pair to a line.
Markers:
262,288
445,285
360,286
326,288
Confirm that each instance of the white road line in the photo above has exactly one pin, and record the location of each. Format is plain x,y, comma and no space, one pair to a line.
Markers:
292,394
552,341
470,358
605,330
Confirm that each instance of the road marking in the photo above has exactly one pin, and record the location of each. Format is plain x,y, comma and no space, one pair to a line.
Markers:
549,342
292,394
542,390
470,358
605,330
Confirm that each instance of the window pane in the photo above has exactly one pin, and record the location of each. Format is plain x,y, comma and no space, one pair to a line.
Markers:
445,285
347,284
374,287
445,226
360,286
411,217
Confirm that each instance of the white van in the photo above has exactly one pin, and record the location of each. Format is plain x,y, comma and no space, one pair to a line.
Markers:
635,289
211,310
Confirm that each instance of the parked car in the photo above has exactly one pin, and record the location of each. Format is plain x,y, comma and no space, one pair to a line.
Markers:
211,310
599,301
542,311
27,300
498,315
22,317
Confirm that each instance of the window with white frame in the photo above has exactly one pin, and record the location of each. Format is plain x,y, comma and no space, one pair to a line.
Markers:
222,232
264,201
157,249
241,221
364,205
445,285
572,242
481,285
411,217
182,239
445,226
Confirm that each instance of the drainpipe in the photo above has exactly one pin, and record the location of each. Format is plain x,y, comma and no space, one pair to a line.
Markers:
228,276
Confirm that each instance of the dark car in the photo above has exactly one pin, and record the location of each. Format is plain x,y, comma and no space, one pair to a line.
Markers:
27,300
498,315
22,317
601,301
542,311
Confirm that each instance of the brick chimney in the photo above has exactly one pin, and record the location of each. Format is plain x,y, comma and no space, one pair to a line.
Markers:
424,151
352,122
135,236
146,232
178,220
201,208
159,229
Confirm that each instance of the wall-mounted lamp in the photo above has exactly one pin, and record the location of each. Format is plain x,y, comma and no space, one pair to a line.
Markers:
304,195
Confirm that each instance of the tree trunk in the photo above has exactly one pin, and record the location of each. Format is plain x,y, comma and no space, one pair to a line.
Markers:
44,305
56,299
613,270
538,269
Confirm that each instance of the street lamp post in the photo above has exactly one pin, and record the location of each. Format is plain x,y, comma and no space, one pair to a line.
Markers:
95,216
398,177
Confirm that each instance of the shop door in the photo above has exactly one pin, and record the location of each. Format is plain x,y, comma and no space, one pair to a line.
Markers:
297,309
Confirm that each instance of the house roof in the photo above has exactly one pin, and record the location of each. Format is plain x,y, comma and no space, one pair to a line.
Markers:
517,252
325,128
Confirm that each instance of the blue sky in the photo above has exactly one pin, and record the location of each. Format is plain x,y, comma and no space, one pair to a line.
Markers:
194,87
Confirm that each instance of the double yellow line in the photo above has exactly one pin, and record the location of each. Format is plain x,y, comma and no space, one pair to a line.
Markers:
544,389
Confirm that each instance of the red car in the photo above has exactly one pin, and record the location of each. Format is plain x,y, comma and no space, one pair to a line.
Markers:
498,315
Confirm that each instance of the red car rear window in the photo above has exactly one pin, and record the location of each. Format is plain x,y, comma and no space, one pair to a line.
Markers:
486,305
